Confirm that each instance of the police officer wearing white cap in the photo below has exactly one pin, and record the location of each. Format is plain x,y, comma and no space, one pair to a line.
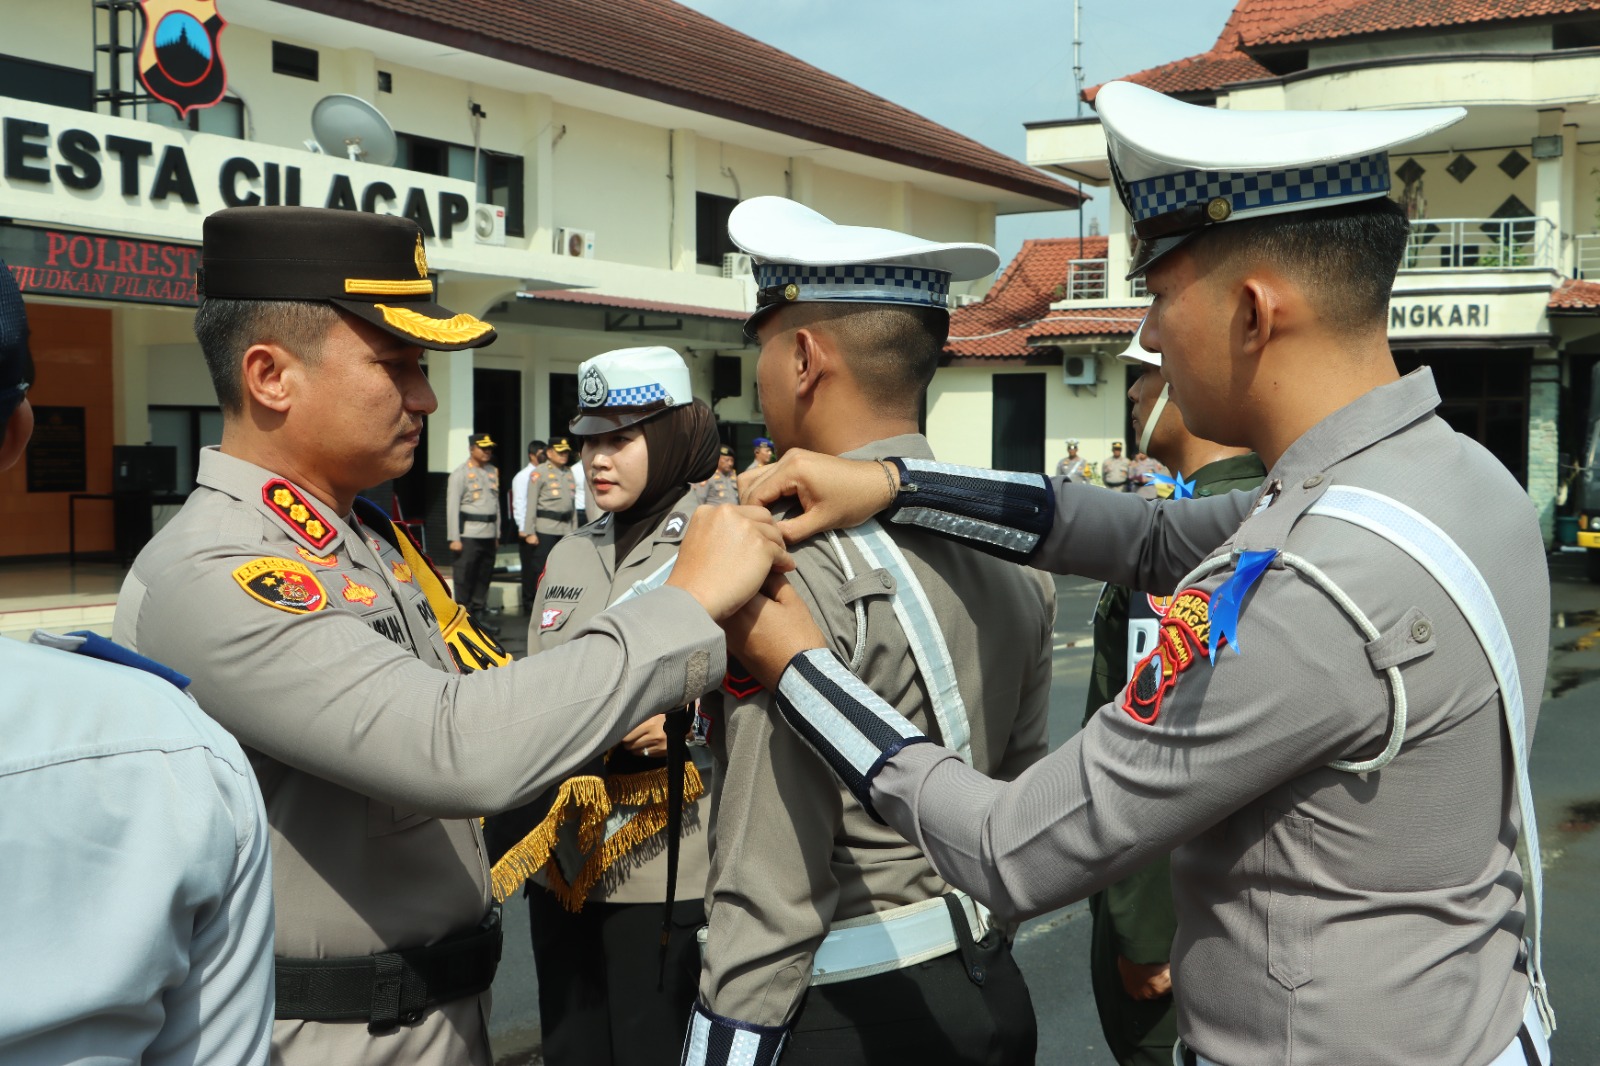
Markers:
828,936
1333,728
1074,467
612,851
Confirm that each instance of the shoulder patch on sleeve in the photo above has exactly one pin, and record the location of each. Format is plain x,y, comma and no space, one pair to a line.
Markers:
282,583
292,508
1185,630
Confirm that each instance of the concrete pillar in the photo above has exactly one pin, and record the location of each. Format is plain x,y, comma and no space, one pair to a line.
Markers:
450,374
1120,229
538,156
802,179
130,378
360,69
899,207
685,177
1550,179
1544,410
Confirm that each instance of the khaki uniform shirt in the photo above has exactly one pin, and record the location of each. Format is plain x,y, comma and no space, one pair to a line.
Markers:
793,851
552,502
1114,472
718,489
473,491
1323,917
1075,469
374,754
581,578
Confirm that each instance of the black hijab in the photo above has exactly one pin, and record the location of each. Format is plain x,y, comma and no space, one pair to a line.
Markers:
682,444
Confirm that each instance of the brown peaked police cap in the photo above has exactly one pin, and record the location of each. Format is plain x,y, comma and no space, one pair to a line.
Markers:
373,266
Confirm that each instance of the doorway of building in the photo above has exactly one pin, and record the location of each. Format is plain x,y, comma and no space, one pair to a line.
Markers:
1017,433
497,411
563,403
1483,394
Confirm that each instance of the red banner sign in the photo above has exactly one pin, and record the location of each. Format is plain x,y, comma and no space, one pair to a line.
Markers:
56,262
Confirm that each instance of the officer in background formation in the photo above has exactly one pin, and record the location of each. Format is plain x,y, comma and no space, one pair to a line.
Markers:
829,937
552,505
722,487
472,523
378,719
519,512
1142,474
149,858
1333,729
1115,470
1133,919
1074,467
763,453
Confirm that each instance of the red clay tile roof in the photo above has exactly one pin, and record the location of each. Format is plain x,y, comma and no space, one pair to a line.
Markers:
1573,295
623,303
1000,325
1090,322
670,53
1206,71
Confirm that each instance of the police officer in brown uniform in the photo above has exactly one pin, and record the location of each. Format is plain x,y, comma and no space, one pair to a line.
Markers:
323,639
829,936
472,522
723,486
1114,471
1333,727
552,504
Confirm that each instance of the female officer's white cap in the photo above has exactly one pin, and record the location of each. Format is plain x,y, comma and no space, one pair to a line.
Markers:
798,255
628,385
1179,168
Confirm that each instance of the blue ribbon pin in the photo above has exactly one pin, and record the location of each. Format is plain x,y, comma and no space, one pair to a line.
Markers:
1181,489
1228,599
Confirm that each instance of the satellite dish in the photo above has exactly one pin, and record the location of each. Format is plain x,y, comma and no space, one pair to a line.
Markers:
349,126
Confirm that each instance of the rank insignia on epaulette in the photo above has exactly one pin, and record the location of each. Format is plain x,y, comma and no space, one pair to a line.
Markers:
282,583
739,683
331,559
297,512
358,593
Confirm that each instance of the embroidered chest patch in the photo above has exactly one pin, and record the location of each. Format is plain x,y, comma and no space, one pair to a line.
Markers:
549,617
1185,631
401,571
331,559
676,522
563,592
292,508
282,583
355,592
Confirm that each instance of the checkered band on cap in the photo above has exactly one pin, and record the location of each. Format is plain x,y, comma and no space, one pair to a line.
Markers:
1255,190
862,283
637,397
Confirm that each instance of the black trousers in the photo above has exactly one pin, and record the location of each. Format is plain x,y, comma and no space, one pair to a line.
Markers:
1138,1032
930,1014
599,1000
472,571
533,560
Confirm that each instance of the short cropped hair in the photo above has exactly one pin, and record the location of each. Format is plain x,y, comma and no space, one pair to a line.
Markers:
891,350
1344,258
227,328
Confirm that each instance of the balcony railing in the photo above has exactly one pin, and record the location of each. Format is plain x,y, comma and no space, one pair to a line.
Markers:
1090,279
1481,244
1587,257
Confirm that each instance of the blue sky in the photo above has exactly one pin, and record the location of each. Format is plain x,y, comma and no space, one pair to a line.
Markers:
982,69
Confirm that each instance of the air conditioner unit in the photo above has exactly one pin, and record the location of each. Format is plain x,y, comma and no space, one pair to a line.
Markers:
578,243
963,299
489,224
1078,370
736,265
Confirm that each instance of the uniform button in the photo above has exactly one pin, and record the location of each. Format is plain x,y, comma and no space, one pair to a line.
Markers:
1312,482
888,582
1421,630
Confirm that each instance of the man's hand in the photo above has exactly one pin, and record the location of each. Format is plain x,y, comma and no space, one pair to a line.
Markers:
532,538
648,738
1143,981
769,630
725,556
455,546
836,493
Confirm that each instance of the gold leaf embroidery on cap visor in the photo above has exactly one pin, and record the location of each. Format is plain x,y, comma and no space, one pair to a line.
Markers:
457,330
385,287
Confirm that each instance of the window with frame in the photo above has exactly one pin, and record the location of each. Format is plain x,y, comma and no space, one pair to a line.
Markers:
46,83
224,118
711,241
500,175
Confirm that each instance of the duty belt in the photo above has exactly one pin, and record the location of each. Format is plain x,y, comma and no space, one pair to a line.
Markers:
392,988
478,517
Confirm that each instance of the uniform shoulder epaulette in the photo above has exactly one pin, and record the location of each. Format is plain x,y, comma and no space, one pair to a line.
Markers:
291,507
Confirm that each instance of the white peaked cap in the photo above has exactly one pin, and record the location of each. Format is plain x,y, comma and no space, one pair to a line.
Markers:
628,385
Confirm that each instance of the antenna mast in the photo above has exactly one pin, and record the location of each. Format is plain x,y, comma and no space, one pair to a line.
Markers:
1077,54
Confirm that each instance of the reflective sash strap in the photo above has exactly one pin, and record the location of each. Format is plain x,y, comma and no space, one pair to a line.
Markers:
876,943
649,583
915,614
1444,560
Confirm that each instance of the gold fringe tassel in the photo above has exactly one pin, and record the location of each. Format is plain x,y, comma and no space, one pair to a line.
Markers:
586,795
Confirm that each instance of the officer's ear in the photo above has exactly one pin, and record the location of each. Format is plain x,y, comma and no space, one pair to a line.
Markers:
267,373
1261,314
815,359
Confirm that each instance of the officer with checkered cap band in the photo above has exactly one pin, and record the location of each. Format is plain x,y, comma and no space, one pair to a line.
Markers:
1074,467
383,723
1349,669
823,927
